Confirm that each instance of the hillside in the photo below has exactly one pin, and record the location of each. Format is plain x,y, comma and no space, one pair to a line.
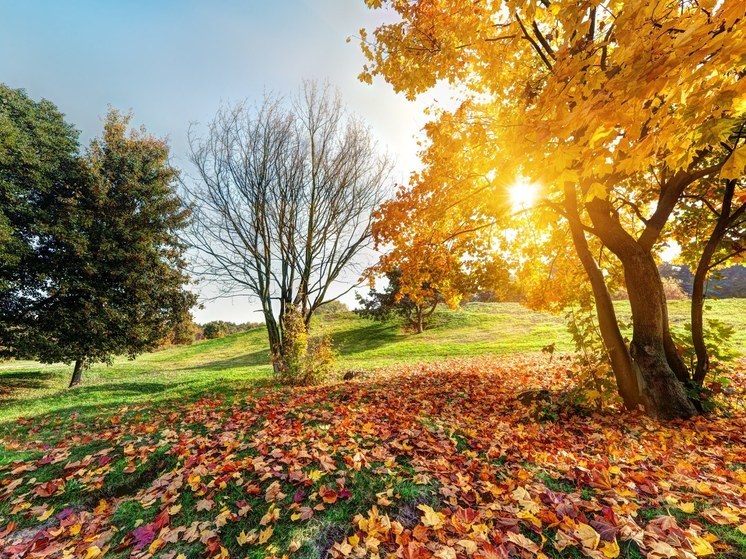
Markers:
241,361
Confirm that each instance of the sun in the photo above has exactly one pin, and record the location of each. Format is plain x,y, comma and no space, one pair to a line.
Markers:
523,195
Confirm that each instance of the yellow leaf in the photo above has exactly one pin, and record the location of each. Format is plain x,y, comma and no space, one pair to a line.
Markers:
174,510
701,547
735,164
687,507
611,549
446,552
344,548
265,534
155,545
596,190
46,514
243,538
92,552
730,515
431,518
469,546
294,546
354,540
587,536
742,528
315,475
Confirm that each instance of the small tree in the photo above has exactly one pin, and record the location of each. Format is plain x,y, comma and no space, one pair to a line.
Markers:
381,305
214,329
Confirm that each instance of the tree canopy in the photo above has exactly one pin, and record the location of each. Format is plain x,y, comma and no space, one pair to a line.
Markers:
95,267
616,109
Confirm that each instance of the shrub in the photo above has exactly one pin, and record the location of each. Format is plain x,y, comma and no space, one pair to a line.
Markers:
301,360
673,290
332,307
214,329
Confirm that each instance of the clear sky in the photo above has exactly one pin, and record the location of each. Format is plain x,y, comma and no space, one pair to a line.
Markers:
172,62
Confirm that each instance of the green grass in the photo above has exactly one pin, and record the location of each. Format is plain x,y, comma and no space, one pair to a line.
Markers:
240,362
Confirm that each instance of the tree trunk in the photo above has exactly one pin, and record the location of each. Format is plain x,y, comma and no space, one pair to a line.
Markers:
700,277
420,321
622,365
275,341
77,373
675,361
697,316
661,392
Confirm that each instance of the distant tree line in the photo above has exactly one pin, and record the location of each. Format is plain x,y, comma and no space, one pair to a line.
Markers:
723,284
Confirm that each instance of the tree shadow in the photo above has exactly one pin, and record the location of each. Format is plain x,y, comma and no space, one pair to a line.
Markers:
255,358
110,398
12,383
358,340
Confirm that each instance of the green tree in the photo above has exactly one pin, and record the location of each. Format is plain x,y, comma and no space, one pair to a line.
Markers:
381,305
214,329
112,278
38,165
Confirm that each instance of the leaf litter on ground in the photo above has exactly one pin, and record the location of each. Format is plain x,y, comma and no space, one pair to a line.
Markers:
426,461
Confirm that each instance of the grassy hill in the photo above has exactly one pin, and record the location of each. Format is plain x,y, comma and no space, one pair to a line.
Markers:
241,361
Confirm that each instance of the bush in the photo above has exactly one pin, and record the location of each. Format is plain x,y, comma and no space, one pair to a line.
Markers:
332,307
302,361
214,329
673,290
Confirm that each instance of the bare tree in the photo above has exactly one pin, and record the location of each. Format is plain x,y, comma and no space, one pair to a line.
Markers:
284,200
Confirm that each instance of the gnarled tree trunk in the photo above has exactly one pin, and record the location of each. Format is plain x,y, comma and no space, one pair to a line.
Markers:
661,392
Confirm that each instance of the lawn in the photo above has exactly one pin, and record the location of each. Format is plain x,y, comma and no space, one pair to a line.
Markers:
240,361
193,452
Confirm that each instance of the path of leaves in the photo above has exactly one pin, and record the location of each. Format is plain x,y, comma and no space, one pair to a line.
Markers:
432,461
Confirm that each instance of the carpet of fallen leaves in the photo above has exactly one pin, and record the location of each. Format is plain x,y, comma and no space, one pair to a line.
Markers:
428,461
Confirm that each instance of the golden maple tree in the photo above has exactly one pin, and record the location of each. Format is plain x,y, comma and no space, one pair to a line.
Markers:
617,109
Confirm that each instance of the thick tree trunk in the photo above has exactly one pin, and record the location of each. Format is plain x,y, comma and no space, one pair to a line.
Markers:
622,365
77,373
661,392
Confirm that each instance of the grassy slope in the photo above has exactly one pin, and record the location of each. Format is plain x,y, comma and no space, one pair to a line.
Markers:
241,361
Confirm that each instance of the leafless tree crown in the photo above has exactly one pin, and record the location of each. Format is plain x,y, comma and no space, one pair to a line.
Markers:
283,199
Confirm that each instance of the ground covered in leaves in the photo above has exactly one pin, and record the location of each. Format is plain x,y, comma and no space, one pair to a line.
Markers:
439,460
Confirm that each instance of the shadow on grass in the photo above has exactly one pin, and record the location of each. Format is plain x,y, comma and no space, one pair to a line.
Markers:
253,359
111,397
359,340
11,383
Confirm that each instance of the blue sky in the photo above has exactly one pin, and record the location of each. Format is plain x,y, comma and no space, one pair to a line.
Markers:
173,62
